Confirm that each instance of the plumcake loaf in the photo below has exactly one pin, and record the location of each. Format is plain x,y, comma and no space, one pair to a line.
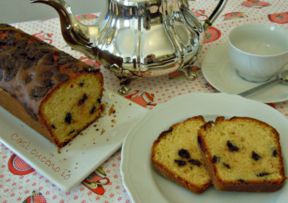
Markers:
49,90
242,154
176,155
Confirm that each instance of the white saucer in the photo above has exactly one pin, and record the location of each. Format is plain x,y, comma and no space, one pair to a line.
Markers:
218,71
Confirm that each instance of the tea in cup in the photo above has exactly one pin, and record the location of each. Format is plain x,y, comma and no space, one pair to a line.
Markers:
258,51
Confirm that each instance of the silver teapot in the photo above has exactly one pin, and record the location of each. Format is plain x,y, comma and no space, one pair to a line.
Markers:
138,38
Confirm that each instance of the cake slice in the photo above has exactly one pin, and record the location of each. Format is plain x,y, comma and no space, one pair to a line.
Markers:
242,154
176,155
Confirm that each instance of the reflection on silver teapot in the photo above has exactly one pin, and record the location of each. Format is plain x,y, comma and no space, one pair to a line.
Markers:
138,38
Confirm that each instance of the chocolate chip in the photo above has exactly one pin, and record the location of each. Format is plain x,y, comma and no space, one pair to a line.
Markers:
180,162
68,118
39,92
99,100
184,153
227,165
262,174
255,156
232,147
53,126
81,84
274,153
195,162
92,110
83,99
28,63
199,140
21,44
48,83
215,159
241,181
33,52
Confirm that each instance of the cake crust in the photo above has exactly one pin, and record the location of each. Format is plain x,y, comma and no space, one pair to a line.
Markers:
254,185
12,105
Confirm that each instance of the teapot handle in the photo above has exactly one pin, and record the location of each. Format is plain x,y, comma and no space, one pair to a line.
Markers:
218,9
193,21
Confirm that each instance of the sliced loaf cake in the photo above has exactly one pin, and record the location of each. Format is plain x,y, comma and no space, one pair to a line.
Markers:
52,92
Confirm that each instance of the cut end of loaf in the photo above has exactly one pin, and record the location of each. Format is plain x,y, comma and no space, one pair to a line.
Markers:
69,109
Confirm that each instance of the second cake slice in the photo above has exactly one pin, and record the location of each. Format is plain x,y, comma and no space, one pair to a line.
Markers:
242,154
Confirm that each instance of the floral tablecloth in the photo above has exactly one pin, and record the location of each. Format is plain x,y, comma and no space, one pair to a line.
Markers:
21,183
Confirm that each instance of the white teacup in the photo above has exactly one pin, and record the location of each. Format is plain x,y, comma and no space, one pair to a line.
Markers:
258,51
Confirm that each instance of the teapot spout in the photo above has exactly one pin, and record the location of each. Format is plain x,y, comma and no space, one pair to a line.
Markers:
74,32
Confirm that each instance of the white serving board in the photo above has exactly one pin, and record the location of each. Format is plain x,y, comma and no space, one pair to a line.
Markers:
84,154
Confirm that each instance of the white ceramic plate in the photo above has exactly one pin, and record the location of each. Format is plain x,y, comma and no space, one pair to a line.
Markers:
145,185
85,153
219,72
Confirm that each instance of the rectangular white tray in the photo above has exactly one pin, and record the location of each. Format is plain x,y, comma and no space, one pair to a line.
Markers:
85,153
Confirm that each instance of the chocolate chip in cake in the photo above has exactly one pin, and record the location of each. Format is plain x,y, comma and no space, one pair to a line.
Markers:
232,147
215,159
199,140
183,153
241,181
99,100
180,162
255,156
275,153
53,126
48,83
227,165
262,174
195,162
21,44
92,110
81,84
83,99
68,118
